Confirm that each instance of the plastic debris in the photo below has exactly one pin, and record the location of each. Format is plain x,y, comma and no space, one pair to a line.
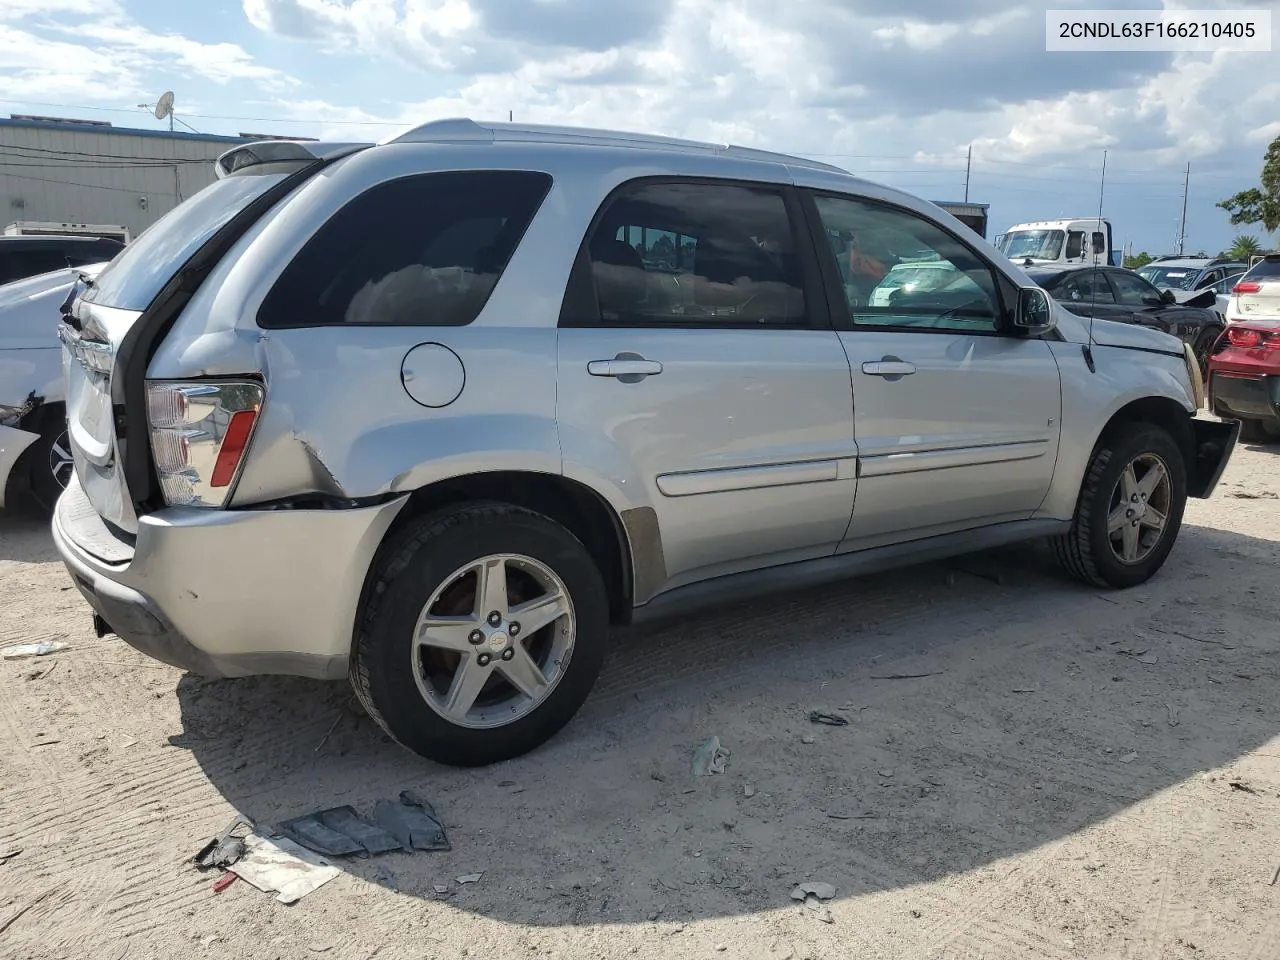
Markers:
823,891
413,822
808,738
1129,758
828,719
409,825
25,651
709,758
224,849
749,790
470,878
441,888
278,865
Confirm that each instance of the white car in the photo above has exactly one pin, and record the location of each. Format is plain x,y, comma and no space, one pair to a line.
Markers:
1256,295
914,277
35,457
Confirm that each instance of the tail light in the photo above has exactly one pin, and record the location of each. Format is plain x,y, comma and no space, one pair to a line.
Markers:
1248,286
199,434
1249,339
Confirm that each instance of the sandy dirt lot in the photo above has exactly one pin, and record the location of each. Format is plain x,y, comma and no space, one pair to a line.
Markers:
1081,775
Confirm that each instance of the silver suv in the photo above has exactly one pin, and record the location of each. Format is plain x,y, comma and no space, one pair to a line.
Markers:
434,414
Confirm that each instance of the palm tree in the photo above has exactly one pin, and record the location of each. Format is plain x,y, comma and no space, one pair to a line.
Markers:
1244,247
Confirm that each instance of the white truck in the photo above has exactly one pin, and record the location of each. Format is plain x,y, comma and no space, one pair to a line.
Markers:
53,228
1070,240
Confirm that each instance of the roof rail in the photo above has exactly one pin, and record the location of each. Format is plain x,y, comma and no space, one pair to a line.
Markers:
465,130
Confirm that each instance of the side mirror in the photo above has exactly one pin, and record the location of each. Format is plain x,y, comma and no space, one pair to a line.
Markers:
1099,243
1034,314
1168,296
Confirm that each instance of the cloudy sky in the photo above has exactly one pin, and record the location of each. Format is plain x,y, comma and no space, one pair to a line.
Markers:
897,98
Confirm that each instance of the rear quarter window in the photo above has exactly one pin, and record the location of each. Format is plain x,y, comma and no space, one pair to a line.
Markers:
1264,270
423,250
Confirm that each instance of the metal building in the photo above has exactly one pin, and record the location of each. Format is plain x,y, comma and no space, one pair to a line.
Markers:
88,171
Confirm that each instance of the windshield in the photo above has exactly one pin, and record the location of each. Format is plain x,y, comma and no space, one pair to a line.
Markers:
1036,244
1174,278
1262,270
142,269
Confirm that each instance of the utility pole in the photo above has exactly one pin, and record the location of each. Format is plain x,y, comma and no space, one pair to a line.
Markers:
511,116
1182,226
968,166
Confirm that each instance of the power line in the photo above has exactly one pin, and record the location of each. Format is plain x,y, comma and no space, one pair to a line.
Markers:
90,186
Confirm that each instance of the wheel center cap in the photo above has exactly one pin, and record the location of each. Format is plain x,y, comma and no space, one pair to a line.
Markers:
498,640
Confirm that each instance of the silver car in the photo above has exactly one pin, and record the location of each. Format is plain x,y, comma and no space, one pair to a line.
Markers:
435,414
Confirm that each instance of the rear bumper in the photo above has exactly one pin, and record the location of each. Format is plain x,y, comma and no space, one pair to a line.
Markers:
13,443
226,593
1245,396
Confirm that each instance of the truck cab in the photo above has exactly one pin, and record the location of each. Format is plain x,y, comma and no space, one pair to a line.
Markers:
1072,240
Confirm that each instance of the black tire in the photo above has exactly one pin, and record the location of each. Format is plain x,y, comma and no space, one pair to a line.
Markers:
421,557
1203,348
45,477
1259,431
1085,551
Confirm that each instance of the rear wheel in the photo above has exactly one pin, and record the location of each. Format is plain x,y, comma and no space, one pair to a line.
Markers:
1129,511
482,635
1260,431
1203,348
49,463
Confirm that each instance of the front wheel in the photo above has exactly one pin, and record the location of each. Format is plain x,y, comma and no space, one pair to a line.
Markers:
482,635
1130,509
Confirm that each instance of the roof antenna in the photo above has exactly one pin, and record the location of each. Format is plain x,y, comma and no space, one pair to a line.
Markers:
1087,349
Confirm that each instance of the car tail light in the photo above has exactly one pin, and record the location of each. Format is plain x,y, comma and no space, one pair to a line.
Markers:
1247,338
1247,286
199,434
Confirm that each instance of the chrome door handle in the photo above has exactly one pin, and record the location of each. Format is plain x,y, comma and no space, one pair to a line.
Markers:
624,368
888,368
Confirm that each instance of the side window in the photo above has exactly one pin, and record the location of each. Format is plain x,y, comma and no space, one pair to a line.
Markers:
901,270
694,253
1209,279
29,263
1086,287
425,250
1075,244
1133,291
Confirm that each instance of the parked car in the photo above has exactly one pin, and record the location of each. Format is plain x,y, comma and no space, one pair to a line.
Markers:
35,456
29,256
1222,293
1114,293
1244,378
445,459
1186,275
1256,296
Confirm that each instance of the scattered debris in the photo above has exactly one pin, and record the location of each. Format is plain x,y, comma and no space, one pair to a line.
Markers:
808,738
470,878
1173,715
388,879
916,914
1187,636
653,775
749,790
1245,676
828,719
409,825
279,865
721,948
1129,758
320,947
823,891
906,676
224,849
885,773
709,758
1023,690
1275,877
45,743
850,816
1242,787
9,855
1247,495
506,783
25,651
224,881
441,889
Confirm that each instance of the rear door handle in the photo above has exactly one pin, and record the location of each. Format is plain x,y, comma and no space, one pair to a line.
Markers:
627,369
888,368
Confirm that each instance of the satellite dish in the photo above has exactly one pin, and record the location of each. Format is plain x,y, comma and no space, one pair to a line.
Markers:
164,108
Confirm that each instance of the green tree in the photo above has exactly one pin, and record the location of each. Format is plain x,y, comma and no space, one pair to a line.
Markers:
1137,260
1244,248
1259,204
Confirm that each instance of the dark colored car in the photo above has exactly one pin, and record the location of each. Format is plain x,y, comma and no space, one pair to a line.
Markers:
1113,293
1244,379
28,256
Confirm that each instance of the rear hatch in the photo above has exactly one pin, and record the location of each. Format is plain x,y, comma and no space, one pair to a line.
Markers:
111,323
1257,293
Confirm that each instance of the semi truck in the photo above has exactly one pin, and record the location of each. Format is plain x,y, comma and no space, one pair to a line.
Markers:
1069,240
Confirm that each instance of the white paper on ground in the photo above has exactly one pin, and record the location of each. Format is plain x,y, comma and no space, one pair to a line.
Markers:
282,866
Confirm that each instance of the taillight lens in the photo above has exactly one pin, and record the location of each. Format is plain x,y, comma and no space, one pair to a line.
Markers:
1247,338
199,434
1247,286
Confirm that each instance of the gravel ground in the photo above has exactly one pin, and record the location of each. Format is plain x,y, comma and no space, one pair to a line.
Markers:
1081,774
